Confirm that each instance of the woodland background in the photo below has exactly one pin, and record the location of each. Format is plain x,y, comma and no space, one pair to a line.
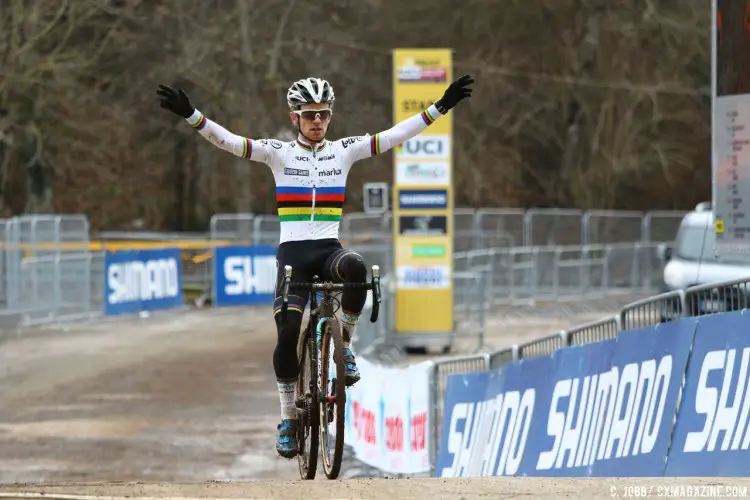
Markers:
578,103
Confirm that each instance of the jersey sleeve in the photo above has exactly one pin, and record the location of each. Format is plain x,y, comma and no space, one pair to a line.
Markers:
372,145
263,151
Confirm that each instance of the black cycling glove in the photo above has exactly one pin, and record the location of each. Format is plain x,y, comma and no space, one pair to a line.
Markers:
455,92
175,101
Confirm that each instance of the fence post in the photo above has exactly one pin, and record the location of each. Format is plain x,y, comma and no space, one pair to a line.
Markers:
434,424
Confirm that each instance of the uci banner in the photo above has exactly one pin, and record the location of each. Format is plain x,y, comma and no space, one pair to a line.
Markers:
602,409
244,275
423,200
142,280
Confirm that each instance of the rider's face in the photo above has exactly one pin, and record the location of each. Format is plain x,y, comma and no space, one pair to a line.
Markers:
313,126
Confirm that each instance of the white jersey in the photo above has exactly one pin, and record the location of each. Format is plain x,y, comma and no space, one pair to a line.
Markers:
311,182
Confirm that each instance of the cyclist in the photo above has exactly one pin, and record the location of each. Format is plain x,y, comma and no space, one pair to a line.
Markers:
310,174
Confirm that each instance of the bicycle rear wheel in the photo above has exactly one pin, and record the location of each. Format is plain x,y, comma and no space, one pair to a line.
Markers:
333,398
307,406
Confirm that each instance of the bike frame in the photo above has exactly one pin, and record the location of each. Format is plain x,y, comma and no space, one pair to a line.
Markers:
320,314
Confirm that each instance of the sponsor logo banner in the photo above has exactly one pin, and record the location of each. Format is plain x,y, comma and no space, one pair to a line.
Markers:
712,434
425,146
142,280
602,409
423,225
422,199
420,69
423,296
296,171
244,275
413,277
428,251
387,417
422,173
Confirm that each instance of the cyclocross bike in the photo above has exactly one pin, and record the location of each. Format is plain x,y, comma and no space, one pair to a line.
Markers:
321,382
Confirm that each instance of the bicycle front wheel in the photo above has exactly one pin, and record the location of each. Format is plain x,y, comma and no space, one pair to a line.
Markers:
307,407
333,398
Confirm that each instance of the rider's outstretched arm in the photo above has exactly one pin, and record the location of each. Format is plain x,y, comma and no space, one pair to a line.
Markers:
406,129
244,147
219,136
177,102
403,131
373,145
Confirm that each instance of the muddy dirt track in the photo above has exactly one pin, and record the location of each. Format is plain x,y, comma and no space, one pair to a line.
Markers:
184,397
465,488
178,396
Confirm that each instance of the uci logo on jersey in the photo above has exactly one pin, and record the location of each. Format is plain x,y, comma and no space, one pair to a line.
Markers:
302,158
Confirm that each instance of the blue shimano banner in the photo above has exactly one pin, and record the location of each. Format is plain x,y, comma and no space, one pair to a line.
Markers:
142,280
465,394
565,443
488,418
647,374
244,275
602,409
712,433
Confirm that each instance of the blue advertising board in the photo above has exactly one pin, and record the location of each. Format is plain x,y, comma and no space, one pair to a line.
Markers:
712,433
488,419
244,275
651,363
601,409
142,280
422,199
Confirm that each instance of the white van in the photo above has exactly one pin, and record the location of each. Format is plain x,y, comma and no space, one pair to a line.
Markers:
691,259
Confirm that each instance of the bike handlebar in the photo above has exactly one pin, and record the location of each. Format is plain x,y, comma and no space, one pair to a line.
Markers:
327,286
373,285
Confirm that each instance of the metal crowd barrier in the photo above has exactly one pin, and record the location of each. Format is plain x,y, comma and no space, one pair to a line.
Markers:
485,227
543,346
720,297
596,331
657,309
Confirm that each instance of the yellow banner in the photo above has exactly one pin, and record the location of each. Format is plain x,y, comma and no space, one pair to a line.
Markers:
422,197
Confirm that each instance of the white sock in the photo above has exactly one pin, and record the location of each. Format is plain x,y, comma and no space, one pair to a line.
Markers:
287,396
349,324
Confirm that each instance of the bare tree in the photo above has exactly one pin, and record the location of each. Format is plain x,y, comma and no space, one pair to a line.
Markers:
578,103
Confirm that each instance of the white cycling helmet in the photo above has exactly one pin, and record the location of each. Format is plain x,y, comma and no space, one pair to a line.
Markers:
309,91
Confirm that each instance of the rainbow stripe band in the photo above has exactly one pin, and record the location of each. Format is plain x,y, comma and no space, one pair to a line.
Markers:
427,117
289,308
302,217
200,123
306,147
306,217
247,147
308,210
295,203
375,145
